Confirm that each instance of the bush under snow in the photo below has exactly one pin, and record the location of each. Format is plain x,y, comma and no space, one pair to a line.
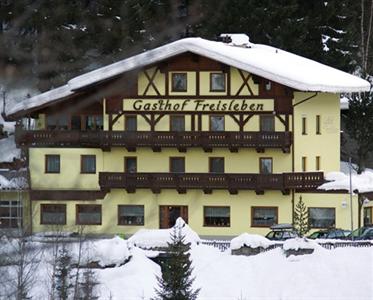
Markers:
250,240
158,238
300,243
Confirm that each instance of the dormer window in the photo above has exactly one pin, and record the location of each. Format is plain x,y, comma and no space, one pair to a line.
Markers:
217,82
179,82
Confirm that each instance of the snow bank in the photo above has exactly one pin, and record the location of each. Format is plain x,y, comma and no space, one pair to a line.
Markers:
104,251
300,243
250,240
8,149
154,238
362,183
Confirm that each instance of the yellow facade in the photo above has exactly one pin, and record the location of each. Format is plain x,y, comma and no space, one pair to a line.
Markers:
308,145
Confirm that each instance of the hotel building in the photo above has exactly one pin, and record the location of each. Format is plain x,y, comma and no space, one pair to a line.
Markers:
227,135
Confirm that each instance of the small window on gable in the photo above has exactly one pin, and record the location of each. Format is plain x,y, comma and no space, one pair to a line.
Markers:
304,125
217,123
131,123
217,82
179,82
267,123
177,123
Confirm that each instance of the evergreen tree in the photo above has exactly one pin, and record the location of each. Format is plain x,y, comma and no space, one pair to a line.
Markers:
301,218
63,274
176,281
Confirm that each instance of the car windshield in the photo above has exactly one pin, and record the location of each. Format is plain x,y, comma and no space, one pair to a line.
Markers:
270,235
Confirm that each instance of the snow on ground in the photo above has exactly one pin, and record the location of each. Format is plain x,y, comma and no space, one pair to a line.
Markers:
250,240
300,243
339,274
340,181
153,238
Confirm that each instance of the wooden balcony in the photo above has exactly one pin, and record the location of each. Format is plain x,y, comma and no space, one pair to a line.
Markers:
154,139
284,182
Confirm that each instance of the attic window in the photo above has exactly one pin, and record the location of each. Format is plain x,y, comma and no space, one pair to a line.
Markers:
179,82
268,86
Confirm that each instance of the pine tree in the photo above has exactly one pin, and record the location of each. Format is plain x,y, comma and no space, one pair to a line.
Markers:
176,281
301,218
63,274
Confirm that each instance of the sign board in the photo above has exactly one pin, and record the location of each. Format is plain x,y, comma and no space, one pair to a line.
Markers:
199,105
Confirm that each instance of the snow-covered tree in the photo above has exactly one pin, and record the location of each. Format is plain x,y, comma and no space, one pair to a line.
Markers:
63,275
301,218
176,281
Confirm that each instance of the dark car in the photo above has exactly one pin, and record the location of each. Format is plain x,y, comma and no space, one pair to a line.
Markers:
362,233
281,232
328,234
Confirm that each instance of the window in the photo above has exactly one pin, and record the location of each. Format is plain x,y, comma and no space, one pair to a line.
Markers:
268,85
52,164
216,123
179,82
318,163
217,82
53,214
88,214
264,216
177,164
304,125
57,122
94,123
304,164
76,123
130,214
265,165
267,123
10,214
217,216
216,165
321,217
318,128
177,123
368,215
130,164
131,123
88,164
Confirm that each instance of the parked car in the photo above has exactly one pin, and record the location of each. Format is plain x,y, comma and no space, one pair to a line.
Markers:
367,235
281,232
361,233
331,233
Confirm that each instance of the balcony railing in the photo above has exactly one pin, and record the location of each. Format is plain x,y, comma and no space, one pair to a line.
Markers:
305,181
154,139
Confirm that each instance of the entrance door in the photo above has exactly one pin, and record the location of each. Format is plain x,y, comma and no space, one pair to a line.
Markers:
169,214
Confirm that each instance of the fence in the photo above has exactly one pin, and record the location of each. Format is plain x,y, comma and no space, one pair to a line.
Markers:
223,245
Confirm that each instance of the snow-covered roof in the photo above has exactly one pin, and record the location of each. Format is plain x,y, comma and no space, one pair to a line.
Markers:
362,183
13,180
271,63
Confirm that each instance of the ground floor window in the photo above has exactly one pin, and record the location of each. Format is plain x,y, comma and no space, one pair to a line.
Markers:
321,217
368,215
10,214
53,214
264,216
88,214
219,216
130,214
